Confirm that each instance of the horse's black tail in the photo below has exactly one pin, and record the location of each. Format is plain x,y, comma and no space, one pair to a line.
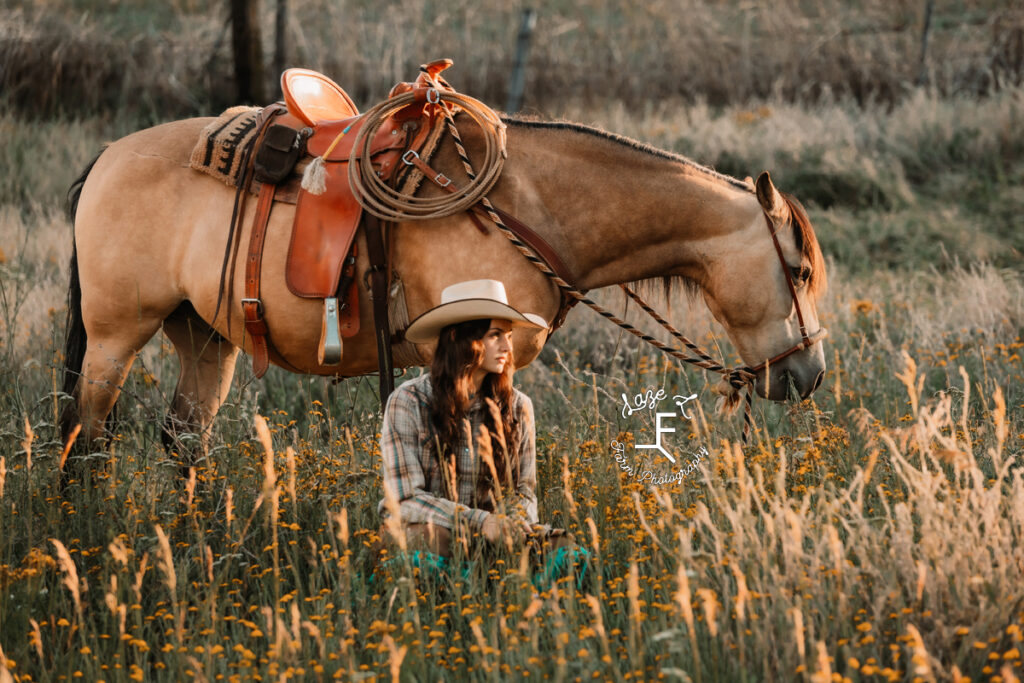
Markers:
74,334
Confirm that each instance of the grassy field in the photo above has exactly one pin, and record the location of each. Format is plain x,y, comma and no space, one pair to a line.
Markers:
873,532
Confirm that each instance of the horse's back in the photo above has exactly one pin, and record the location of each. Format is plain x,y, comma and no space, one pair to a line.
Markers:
173,140
128,168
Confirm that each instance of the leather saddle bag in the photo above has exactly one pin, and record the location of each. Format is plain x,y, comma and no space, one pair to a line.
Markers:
281,150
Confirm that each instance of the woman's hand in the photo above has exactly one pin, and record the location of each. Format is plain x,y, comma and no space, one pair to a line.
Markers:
498,527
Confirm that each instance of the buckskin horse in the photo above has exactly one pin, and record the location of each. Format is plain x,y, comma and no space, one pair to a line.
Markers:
149,234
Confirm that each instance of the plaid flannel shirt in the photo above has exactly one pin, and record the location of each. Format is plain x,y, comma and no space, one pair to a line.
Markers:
411,470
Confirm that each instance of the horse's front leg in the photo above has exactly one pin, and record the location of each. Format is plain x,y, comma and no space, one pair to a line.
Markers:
207,367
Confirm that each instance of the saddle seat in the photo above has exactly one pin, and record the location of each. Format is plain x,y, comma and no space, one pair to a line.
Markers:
313,97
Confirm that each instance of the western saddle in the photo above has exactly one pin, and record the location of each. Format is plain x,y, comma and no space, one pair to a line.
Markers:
318,118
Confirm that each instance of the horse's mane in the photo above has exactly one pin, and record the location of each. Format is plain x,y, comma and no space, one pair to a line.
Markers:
521,121
803,232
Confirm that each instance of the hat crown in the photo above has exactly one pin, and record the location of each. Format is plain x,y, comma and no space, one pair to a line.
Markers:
475,289
470,300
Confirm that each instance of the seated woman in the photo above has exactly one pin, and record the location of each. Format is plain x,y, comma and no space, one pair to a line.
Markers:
458,443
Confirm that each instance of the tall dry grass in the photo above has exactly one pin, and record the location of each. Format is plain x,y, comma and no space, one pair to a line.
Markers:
872,533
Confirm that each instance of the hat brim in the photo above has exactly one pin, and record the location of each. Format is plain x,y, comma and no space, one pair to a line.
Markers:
426,327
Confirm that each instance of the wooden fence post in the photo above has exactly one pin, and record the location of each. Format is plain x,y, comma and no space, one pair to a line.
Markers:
248,51
280,42
922,64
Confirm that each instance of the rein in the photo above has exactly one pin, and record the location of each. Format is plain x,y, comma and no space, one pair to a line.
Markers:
533,247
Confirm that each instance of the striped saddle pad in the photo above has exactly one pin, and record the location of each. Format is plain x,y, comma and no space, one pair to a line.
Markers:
220,151
221,145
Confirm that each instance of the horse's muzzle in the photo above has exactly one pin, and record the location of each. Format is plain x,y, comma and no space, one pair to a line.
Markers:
795,377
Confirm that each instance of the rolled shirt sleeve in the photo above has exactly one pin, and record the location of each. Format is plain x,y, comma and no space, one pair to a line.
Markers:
526,490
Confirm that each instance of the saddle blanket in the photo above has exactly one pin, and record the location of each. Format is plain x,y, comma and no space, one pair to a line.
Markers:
220,151
221,145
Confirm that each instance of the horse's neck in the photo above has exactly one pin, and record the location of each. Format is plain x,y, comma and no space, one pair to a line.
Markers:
618,214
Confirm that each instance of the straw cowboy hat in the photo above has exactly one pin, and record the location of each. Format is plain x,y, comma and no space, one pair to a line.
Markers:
470,300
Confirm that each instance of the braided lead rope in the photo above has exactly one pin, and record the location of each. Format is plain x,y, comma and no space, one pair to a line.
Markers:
738,378
705,361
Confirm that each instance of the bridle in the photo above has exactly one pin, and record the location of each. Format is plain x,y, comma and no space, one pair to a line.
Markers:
543,257
806,340
736,379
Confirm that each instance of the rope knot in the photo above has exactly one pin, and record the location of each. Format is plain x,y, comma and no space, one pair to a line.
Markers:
729,388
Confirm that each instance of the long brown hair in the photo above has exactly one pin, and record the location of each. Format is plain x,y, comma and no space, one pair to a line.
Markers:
460,351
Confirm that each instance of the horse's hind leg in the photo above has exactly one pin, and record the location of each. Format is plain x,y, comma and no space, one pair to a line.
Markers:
109,354
207,366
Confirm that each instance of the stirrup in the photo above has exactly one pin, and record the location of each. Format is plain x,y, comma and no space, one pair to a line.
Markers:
329,350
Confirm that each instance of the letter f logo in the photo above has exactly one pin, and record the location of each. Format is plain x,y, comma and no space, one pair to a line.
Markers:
659,430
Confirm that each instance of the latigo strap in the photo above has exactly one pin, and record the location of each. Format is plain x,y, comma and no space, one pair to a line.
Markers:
252,307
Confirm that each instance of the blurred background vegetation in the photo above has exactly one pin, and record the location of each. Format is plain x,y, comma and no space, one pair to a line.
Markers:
160,60
900,121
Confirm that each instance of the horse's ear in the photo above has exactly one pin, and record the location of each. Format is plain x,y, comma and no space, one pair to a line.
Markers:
769,197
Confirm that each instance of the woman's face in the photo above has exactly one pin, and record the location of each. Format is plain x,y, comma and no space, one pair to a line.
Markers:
497,343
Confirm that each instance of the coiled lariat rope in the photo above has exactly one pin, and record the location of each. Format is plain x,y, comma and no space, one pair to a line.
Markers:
383,201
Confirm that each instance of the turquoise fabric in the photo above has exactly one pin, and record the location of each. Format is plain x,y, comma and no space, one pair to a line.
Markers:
430,564
561,563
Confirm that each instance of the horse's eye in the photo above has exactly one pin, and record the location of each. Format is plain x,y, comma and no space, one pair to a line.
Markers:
801,274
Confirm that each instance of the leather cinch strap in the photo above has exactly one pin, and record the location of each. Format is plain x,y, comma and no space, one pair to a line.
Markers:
252,307
227,271
252,304
379,292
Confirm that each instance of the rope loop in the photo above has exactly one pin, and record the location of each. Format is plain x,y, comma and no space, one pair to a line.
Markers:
383,201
